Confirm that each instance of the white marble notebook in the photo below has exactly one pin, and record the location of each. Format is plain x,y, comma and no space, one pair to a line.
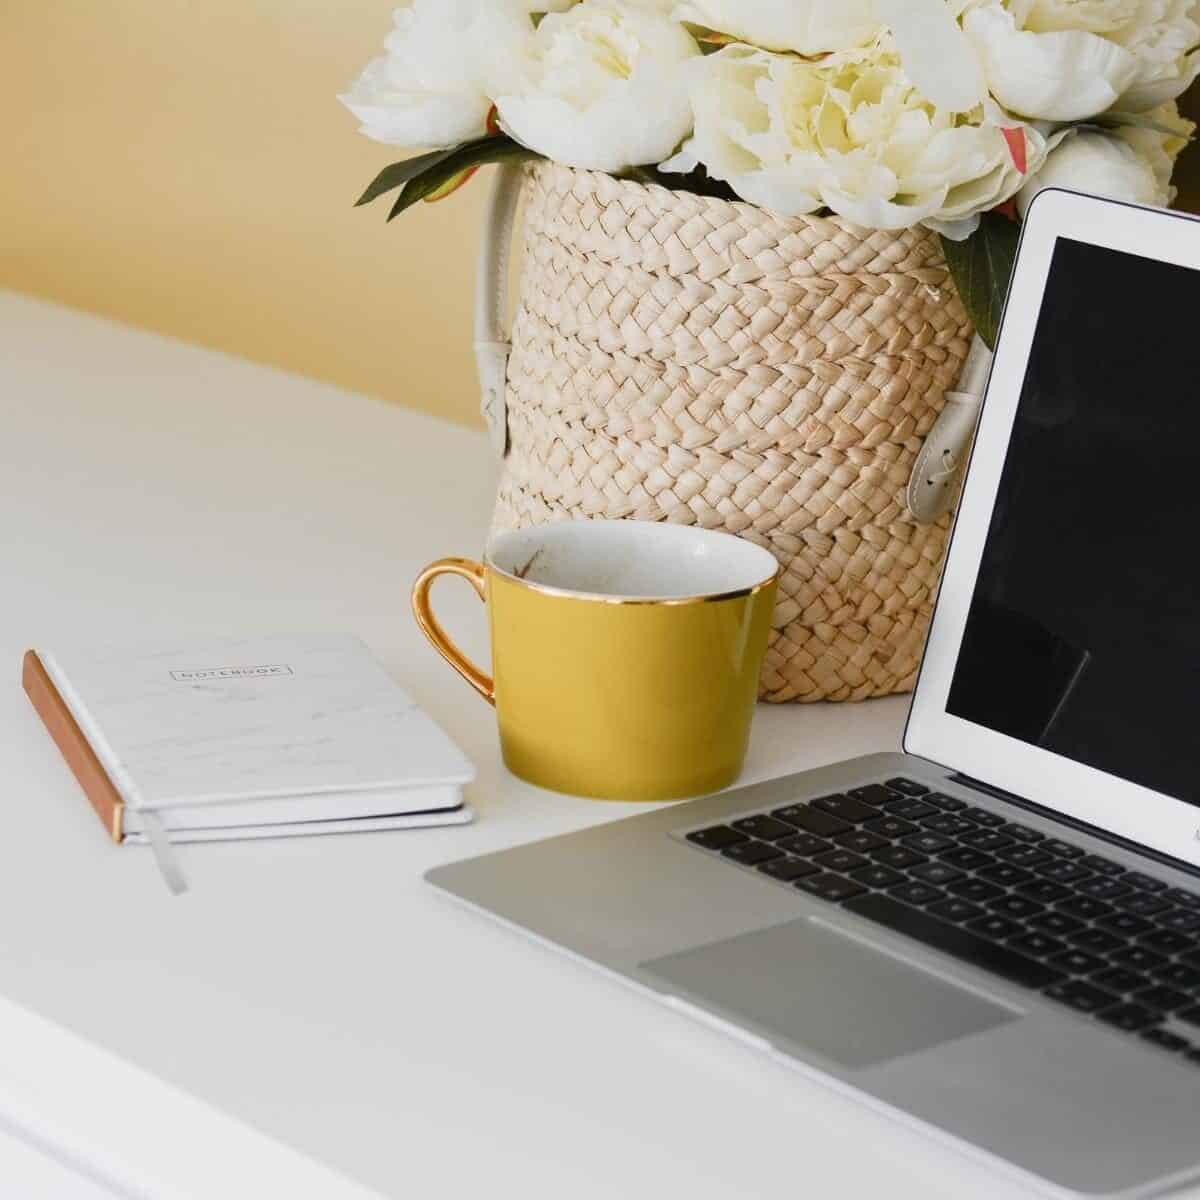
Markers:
262,736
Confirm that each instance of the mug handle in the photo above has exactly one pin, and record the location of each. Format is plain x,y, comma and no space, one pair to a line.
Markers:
473,573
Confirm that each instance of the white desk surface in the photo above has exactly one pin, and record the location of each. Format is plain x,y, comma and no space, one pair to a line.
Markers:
315,990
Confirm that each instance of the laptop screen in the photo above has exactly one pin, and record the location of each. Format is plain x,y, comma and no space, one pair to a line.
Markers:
1083,635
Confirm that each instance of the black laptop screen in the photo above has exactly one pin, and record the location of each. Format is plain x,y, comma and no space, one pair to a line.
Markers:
1083,635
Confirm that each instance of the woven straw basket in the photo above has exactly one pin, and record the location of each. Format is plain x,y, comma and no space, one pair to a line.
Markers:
680,358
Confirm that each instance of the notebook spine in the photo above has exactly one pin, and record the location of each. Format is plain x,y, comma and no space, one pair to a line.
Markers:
73,745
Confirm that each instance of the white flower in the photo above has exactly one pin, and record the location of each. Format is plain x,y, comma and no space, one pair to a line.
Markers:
1061,75
1160,150
1164,36
1105,165
603,87
432,87
1065,60
804,26
852,133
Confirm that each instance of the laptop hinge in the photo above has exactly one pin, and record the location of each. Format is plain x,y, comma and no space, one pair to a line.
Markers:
1050,814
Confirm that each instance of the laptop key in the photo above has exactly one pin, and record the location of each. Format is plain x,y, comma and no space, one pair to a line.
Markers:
946,824
1084,907
1063,872
717,837
981,816
995,927
1081,996
805,844
1102,866
840,860
875,876
1123,922
1023,856
946,803
926,843
812,820
1100,941
898,857
1044,891
1180,919
750,854
1166,941
1179,975
1130,1017
954,940
766,828
939,874
987,840
1062,849
1006,874
1014,906
1142,904
909,787
1186,899
845,807
860,841
967,859
787,869
1059,923
874,794
1103,888
1163,998
1120,980
1137,958
1037,945
1077,962
1146,882
889,827
953,909
1022,833
830,887
975,890
912,810
917,892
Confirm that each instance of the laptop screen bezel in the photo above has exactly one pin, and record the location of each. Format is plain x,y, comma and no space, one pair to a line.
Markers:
1119,806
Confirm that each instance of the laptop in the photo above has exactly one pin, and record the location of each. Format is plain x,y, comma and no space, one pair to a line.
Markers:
994,932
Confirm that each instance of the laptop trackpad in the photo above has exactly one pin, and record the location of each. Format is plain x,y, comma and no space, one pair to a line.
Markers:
809,984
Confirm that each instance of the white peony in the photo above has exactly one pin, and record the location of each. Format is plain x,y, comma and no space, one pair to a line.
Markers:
1159,149
1066,60
850,132
1099,163
432,88
603,87
804,26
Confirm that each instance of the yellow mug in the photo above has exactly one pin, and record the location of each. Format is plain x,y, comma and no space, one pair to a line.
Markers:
626,653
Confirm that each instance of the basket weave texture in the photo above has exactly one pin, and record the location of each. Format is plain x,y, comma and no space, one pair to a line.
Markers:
682,358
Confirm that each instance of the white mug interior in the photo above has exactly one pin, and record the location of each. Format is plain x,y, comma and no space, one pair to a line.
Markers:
632,560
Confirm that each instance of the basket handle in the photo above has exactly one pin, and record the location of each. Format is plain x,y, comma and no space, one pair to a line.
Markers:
492,344
933,485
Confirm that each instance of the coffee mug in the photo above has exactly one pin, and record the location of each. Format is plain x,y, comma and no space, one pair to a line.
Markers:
626,654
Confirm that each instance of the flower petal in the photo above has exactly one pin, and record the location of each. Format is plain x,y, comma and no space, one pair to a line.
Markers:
935,52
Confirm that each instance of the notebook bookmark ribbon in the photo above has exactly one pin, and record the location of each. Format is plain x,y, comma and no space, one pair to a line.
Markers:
164,855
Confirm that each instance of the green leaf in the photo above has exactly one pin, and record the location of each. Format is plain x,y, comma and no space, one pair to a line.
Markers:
398,174
455,162
981,267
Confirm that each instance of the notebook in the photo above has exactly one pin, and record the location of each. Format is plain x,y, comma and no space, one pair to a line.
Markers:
223,738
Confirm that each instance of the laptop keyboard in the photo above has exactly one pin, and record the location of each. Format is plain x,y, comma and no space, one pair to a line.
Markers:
1039,912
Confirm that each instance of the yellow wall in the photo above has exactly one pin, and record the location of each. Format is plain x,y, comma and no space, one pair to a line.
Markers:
183,165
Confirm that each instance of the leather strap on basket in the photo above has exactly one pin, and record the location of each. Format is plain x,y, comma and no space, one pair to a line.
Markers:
933,486
492,344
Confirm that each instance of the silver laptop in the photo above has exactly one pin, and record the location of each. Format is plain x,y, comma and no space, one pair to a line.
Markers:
996,932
